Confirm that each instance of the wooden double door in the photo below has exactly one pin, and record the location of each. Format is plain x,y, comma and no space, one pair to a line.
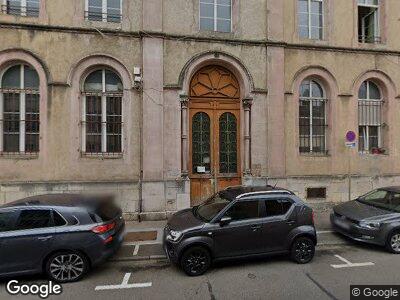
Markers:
214,115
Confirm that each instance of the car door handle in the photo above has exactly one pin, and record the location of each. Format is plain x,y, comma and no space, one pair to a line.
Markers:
45,238
255,227
291,223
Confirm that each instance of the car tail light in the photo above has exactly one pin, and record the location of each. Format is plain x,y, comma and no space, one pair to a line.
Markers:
103,228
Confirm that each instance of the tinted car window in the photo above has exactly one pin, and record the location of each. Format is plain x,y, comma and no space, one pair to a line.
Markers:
209,209
58,220
277,207
31,219
244,210
7,221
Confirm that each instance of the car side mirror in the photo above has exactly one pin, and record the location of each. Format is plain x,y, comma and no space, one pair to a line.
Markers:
225,221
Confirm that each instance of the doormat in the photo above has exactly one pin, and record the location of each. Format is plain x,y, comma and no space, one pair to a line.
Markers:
141,236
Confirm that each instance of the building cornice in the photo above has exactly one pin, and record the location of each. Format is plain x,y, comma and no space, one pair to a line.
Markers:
197,38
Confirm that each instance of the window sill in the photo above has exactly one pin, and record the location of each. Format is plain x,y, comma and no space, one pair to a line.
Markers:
373,154
102,155
19,155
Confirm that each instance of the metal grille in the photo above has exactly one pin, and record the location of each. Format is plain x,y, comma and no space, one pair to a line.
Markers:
93,124
11,125
114,124
312,125
110,16
15,8
201,141
370,122
32,124
228,143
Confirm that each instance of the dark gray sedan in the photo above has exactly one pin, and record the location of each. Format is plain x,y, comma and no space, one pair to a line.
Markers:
373,218
61,235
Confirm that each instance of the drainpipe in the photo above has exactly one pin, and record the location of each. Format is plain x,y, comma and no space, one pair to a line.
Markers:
140,92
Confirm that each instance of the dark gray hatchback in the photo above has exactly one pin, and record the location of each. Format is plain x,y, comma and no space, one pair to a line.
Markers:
373,218
61,235
240,222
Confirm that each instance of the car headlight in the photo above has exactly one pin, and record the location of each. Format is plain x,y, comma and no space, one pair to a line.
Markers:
370,225
174,235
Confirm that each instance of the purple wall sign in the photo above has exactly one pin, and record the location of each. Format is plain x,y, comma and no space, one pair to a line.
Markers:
350,136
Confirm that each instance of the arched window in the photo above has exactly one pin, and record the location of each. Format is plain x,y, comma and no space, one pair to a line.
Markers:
369,117
19,110
312,117
102,113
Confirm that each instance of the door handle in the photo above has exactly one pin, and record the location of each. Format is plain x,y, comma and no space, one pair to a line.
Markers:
44,238
255,227
291,223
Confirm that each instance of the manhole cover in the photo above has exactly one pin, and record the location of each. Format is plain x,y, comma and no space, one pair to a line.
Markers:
141,236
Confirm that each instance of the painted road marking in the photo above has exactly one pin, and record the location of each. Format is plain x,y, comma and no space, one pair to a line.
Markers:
326,231
348,264
135,250
123,285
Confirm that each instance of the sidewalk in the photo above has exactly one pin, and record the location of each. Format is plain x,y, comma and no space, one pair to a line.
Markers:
143,241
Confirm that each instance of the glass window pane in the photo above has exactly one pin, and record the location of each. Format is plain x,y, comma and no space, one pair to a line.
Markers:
303,31
244,210
7,220
223,2
201,156
114,4
316,7
362,93
14,7
32,8
223,12
206,24
113,82
31,219
305,89
224,25
31,78
94,81
228,144
207,10
302,6
114,124
317,91
303,19
12,78
316,20
95,10
374,92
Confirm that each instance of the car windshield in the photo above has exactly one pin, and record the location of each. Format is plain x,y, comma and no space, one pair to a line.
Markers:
382,199
209,209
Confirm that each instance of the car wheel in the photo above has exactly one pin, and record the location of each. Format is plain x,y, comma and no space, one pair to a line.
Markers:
196,261
302,250
66,266
393,242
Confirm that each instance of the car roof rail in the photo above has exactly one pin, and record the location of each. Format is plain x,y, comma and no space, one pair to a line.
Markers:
265,192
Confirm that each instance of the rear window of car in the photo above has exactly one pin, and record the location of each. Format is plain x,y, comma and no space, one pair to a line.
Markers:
105,211
277,207
58,219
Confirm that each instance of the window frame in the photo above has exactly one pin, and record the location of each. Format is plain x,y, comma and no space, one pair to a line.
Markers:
215,18
377,28
310,99
261,211
104,123
23,7
104,12
309,17
22,92
279,199
381,102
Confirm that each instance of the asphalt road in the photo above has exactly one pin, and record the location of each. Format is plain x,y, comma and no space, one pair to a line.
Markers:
270,278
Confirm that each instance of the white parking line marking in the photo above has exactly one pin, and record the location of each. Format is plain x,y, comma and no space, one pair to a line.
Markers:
123,285
326,231
348,264
135,250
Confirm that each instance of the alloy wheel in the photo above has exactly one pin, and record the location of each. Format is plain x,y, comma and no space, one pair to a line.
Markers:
304,250
67,267
196,262
395,242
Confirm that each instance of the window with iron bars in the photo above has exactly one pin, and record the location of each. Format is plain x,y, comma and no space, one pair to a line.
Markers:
25,8
370,118
102,113
104,10
312,118
19,110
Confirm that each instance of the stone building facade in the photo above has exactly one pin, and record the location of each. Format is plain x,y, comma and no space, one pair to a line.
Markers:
164,102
